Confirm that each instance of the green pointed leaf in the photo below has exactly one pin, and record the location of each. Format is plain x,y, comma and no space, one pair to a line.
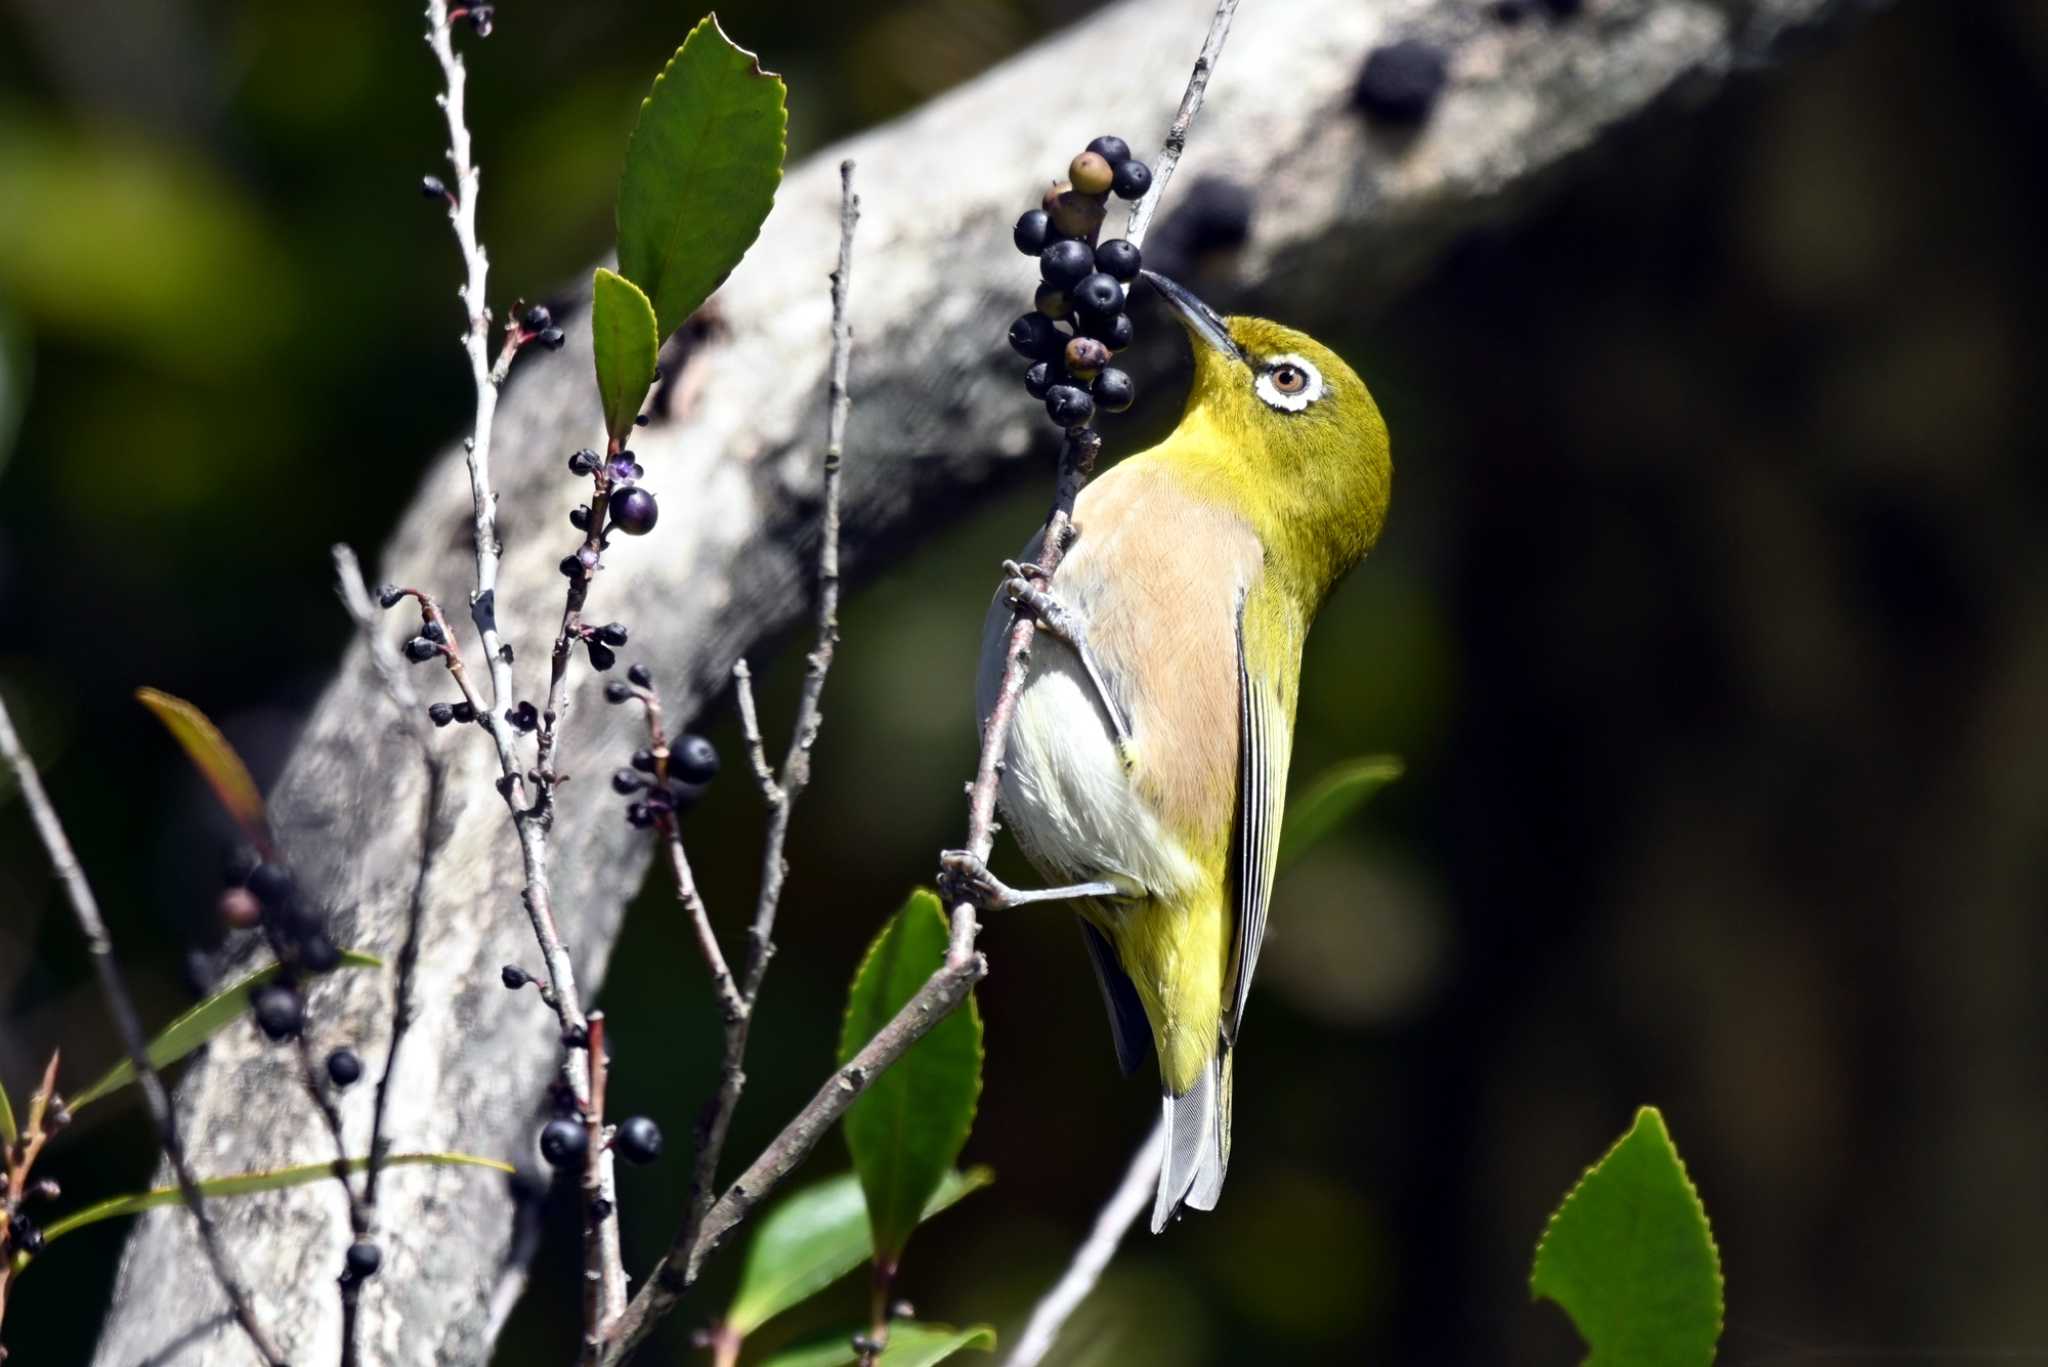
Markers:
9,1132
198,1025
906,1130
246,1184
215,759
1630,1258
701,170
623,329
813,1238
911,1344
1337,792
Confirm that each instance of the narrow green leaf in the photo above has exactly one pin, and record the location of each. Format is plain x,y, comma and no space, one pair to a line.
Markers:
906,1130
1629,1256
198,1025
911,1344
247,1184
813,1238
9,1132
1337,792
623,329
215,759
701,170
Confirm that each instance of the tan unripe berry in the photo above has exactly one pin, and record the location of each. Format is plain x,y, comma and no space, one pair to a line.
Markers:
1091,173
1086,357
1073,213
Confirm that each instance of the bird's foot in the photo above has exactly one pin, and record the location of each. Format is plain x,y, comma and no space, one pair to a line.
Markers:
964,877
1064,624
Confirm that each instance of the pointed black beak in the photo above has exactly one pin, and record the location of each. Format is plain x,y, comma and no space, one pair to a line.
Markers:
1199,319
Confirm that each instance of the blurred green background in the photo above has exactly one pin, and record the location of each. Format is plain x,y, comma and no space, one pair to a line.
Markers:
1712,620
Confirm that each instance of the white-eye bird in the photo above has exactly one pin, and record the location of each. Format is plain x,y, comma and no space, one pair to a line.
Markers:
1147,759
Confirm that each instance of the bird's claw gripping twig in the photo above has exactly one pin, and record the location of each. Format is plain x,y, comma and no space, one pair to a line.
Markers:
964,877
1064,624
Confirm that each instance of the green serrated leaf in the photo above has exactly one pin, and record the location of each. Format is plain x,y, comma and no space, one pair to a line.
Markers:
701,170
907,1129
1630,1258
198,1025
247,1184
9,1132
1337,792
911,1344
623,329
813,1238
215,759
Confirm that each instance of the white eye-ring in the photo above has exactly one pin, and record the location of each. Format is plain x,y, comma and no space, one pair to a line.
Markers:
1289,383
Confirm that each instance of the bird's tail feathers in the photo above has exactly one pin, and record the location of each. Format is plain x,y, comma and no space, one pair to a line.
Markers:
1197,1143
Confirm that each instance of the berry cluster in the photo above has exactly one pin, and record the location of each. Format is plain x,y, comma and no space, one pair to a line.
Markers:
1078,321
263,894
23,1235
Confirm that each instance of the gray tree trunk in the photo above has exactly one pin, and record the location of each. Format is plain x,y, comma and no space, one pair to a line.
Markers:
937,415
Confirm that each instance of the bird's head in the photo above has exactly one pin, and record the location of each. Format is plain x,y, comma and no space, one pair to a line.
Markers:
1282,421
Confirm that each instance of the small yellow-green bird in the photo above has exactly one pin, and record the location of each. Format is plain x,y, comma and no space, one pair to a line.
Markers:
1147,759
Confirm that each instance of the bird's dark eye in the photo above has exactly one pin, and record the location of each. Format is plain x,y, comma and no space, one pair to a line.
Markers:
1289,379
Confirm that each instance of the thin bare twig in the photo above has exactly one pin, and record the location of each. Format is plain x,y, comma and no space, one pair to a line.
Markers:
355,596
530,823
1183,120
695,1236
87,911
1133,1195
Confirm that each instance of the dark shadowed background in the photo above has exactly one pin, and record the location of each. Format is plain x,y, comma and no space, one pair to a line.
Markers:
1711,620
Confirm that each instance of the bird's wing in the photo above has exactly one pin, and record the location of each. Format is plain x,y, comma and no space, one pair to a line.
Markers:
1265,739
1128,1027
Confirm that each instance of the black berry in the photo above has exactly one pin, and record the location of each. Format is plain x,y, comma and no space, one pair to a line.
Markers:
1113,390
1069,406
1038,379
272,884
601,657
1111,149
692,759
563,1141
641,676
524,717
1111,328
420,650
1031,232
280,1012
600,1209
552,338
465,713
612,634
537,319
440,714
364,1258
1118,259
579,518
1034,337
239,909
582,462
432,188
1052,301
1400,81
479,17
318,953
1133,179
344,1068
626,781
571,566
390,596
633,510
434,632
638,817
638,1138
514,977
1098,294
643,760
618,690
1064,262
24,1234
